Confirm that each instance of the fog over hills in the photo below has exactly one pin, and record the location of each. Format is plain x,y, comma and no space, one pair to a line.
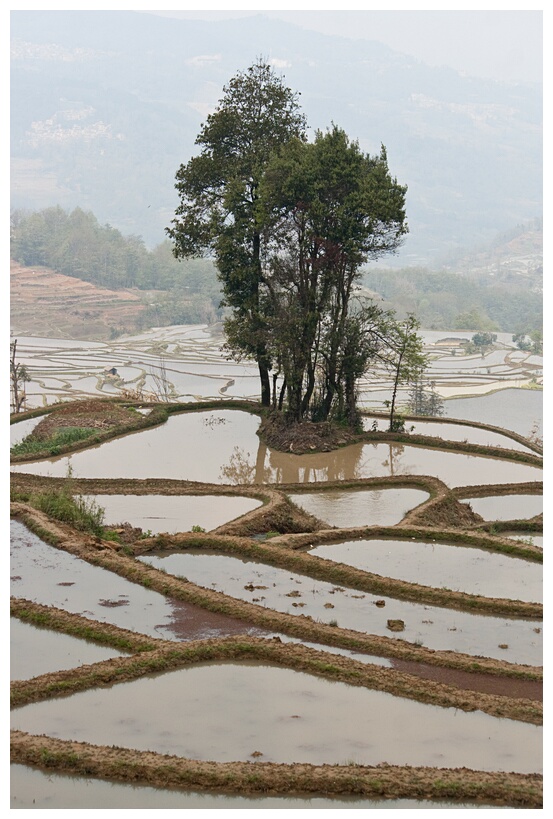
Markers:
107,104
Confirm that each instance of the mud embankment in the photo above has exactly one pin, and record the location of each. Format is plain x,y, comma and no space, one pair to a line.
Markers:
383,781
102,553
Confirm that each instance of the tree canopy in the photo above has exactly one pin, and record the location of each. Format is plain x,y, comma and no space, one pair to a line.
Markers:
289,224
219,195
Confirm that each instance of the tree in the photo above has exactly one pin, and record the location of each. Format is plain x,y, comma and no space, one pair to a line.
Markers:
18,377
424,400
290,223
482,340
219,197
405,360
328,208
530,342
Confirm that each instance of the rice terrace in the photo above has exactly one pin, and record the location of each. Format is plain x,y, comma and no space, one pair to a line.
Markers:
276,418
171,554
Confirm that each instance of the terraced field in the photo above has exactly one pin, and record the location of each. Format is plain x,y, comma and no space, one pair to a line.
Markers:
201,662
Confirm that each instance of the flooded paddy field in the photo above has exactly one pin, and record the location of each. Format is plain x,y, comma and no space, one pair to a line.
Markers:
255,712
195,367
21,429
375,507
52,577
450,432
507,507
514,409
166,513
230,712
459,568
517,641
35,651
221,446
33,788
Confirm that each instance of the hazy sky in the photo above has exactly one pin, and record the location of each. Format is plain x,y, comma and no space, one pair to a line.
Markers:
501,44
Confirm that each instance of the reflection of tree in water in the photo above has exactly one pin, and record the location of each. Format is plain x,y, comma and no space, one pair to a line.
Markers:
242,469
394,458
272,466
348,463
341,464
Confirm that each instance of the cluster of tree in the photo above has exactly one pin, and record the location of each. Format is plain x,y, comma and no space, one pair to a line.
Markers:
447,301
75,244
290,223
424,400
530,342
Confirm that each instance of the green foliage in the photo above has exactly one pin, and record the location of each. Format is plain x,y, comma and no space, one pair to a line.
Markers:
397,424
75,244
81,513
404,358
197,529
445,300
62,437
530,342
219,193
484,339
424,400
329,208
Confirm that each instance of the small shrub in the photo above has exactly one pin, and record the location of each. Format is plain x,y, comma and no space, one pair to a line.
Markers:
197,529
83,514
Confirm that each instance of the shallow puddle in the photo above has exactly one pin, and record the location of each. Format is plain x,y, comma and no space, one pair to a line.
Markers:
375,507
35,651
459,568
507,507
222,447
32,788
236,712
172,513
285,591
49,576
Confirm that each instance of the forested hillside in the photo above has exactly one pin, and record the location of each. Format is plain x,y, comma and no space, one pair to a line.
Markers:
448,301
475,293
75,244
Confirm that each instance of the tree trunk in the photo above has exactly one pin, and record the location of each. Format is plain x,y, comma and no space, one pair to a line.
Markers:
265,381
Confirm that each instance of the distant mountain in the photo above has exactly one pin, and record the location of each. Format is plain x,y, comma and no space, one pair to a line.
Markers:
107,104
513,257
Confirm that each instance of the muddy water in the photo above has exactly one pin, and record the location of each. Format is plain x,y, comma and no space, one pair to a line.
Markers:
222,447
164,513
507,507
474,571
377,507
21,429
31,788
35,651
54,578
513,409
285,591
229,712
451,432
